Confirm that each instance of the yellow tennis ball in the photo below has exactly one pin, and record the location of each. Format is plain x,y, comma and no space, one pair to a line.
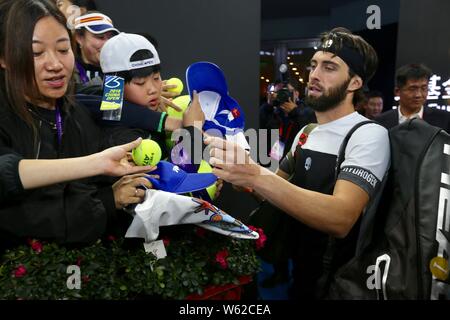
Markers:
206,168
178,83
183,103
147,153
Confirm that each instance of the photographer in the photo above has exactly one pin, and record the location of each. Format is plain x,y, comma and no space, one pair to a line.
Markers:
285,112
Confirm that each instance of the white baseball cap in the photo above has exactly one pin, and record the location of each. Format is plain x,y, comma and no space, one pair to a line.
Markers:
96,23
116,53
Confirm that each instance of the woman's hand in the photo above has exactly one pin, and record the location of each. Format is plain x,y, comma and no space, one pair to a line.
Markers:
116,161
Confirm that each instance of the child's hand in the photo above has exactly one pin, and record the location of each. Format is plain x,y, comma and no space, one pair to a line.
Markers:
168,94
168,103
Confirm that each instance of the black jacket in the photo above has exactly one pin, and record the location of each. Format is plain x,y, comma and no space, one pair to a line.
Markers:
10,183
435,117
73,212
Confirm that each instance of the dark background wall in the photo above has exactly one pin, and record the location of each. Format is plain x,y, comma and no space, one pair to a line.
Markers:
300,19
423,34
225,32
384,43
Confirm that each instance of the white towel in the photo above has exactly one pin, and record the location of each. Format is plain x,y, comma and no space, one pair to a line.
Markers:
162,208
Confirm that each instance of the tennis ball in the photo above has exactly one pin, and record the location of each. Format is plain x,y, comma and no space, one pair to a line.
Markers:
183,103
147,153
206,168
176,82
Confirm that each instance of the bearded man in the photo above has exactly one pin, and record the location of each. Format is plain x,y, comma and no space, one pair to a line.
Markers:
322,204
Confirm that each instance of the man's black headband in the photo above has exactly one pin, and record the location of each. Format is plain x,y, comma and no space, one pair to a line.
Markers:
350,56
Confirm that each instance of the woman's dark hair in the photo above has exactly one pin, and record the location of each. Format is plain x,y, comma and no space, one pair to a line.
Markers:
17,22
142,72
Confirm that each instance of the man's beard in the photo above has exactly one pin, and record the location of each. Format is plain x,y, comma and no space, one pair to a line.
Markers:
328,101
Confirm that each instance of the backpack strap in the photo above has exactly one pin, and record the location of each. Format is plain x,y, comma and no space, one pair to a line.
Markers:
369,213
341,154
330,251
310,127
290,159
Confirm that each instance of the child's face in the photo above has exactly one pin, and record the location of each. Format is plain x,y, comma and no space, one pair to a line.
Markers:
145,91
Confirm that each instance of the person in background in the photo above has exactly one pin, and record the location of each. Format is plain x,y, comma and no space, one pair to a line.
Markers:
285,112
411,85
361,103
92,30
374,105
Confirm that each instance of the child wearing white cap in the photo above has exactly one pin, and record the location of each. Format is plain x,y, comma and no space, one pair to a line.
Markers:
133,58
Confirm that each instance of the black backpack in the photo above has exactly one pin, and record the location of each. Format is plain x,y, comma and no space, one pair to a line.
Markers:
404,243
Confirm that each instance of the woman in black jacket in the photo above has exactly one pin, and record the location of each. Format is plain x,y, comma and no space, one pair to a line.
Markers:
38,121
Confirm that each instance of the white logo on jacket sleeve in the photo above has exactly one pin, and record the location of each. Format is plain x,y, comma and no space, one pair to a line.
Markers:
363,174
